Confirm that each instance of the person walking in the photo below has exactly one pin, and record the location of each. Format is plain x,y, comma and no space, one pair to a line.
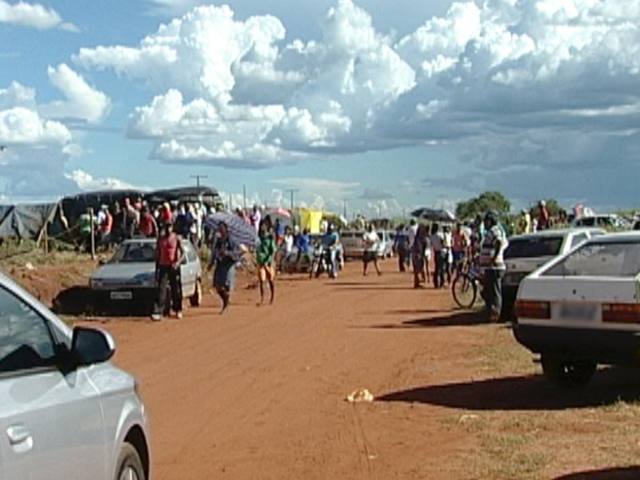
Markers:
265,254
371,246
401,247
459,248
169,256
492,264
447,252
417,255
225,254
437,243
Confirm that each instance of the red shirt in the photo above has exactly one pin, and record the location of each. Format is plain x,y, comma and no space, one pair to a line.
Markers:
107,225
148,225
168,250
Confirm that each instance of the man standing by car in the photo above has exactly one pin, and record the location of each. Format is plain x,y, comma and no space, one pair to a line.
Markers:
169,255
492,249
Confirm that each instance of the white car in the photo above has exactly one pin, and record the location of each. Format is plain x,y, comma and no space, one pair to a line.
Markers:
353,243
603,221
526,253
65,411
583,309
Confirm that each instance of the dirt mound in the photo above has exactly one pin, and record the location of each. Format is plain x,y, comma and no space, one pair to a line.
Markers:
46,277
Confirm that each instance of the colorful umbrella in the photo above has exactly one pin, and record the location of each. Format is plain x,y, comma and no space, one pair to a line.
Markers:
239,231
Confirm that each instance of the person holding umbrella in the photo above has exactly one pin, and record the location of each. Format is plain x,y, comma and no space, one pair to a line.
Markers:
225,254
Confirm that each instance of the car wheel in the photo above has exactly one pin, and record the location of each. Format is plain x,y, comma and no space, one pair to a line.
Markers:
196,298
129,466
567,372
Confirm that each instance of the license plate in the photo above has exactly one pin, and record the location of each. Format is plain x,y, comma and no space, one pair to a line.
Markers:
578,311
121,295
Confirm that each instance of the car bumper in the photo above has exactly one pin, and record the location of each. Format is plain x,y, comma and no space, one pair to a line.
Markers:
602,346
125,298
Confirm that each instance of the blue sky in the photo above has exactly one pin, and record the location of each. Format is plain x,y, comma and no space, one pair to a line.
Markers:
388,105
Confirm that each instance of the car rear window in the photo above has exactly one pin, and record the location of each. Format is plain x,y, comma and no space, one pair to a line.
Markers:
533,247
606,259
135,253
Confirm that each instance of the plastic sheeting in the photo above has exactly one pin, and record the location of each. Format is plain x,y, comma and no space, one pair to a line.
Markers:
310,219
26,221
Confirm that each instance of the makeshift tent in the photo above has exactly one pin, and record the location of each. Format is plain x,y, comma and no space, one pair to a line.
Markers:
310,219
434,215
205,195
27,222
78,204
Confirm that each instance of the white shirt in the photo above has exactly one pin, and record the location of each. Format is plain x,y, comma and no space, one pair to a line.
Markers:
412,231
371,241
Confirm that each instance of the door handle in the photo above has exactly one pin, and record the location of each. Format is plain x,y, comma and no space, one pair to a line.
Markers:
18,435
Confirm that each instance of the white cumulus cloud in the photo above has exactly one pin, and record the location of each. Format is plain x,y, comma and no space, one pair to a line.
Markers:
83,101
33,15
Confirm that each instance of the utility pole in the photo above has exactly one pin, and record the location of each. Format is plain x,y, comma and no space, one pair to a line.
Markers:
344,208
197,178
292,191
244,197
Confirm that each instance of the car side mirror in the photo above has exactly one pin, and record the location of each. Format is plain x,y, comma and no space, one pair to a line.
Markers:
90,346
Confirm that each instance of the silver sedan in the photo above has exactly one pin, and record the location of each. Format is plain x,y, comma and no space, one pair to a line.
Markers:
65,411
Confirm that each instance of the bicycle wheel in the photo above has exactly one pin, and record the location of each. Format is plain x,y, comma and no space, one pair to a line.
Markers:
465,291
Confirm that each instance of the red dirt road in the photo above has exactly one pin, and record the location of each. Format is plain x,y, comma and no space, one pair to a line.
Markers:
259,393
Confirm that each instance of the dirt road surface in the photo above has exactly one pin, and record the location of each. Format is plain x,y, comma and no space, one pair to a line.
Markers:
259,393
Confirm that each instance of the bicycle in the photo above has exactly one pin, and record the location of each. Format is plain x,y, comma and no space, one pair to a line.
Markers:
467,284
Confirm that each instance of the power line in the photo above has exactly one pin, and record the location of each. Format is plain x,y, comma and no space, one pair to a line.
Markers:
197,178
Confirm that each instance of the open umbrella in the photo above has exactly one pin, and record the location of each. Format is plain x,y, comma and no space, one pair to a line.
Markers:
239,231
280,212
434,215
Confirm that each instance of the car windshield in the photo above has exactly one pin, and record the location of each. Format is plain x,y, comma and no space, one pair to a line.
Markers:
606,259
135,253
533,247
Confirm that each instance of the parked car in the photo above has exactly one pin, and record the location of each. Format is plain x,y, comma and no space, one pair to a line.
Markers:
353,244
129,278
65,411
582,309
529,252
611,221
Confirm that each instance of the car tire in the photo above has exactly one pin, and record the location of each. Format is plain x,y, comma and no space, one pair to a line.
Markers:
129,465
566,372
196,299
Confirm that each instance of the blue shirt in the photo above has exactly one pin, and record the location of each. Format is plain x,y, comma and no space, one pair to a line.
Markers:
302,242
330,239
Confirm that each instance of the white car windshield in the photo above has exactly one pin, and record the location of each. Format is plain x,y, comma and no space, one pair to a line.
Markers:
606,259
135,253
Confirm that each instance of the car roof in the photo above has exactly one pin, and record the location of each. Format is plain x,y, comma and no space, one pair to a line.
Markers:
139,240
556,233
631,236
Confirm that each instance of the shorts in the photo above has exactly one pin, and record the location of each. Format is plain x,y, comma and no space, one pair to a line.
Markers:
266,272
369,256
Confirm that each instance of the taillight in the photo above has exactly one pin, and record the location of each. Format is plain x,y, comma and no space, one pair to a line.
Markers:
621,312
533,309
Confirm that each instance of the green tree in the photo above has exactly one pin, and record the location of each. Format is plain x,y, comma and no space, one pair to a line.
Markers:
495,201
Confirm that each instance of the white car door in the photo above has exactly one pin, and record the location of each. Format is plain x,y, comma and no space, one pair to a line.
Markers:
188,269
51,424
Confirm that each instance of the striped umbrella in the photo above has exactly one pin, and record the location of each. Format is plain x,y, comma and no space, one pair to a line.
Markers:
239,231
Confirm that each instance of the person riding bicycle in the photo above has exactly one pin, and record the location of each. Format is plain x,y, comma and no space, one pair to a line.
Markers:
492,250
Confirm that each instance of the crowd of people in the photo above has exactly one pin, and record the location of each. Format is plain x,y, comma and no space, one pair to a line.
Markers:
435,254
137,218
